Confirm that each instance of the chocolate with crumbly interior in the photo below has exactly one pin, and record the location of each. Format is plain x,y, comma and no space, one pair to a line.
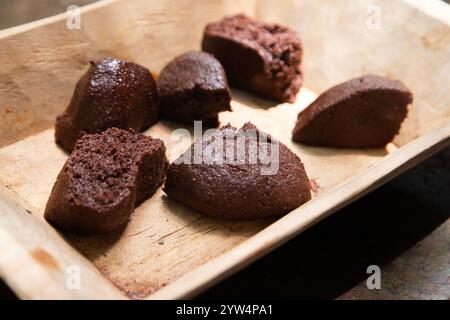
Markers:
105,177
193,86
262,58
361,113
112,93
238,191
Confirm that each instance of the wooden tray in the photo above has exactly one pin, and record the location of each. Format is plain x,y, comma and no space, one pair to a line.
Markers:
167,250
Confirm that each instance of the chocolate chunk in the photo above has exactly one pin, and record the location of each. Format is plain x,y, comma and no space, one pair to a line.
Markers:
105,177
193,86
259,57
243,185
361,113
112,93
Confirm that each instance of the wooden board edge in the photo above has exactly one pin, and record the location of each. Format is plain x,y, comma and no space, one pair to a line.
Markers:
36,262
193,283
437,9
5,33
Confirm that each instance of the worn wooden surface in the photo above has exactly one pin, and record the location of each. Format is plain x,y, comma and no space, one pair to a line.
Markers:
16,12
167,250
423,272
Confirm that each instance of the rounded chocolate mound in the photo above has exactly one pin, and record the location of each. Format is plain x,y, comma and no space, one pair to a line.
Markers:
260,57
243,185
105,177
193,86
364,112
112,93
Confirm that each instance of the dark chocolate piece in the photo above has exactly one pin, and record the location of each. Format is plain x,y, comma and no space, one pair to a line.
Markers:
105,177
112,93
260,57
240,190
193,86
361,113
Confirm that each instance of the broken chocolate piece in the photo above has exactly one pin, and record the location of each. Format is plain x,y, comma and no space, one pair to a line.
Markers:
262,58
243,186
105,177
361,113
112,93
193,86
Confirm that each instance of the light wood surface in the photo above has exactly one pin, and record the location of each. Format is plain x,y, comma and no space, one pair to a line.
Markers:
167,250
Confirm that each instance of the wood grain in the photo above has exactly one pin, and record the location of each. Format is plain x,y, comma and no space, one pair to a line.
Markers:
35,260
167,250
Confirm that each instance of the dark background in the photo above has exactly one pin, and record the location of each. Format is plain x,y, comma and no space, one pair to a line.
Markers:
331,258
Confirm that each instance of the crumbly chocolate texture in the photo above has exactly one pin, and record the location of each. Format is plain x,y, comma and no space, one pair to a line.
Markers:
105,177
259,57
112,93
193,86
364,112
238,191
